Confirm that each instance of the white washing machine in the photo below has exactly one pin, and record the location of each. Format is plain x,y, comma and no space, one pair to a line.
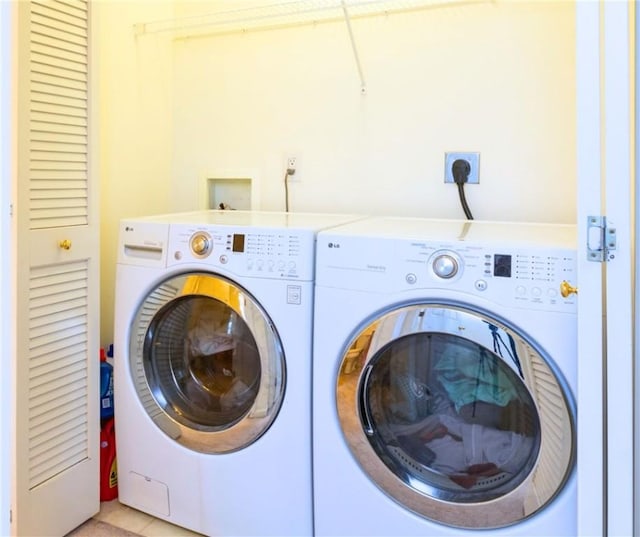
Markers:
213,323
444,379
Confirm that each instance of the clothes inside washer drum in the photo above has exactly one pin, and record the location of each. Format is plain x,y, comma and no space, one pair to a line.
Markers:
210,388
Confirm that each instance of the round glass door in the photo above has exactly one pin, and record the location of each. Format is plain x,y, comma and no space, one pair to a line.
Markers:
456,415
207,363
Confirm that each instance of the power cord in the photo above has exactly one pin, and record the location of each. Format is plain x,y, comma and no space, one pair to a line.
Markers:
460,171
287,174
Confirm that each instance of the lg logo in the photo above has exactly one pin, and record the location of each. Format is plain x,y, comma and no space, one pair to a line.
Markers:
334,245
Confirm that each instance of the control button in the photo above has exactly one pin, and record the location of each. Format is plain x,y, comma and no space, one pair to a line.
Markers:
291,265
566,289
201,244
445,266
521,290
224,259
536,291
280,265
294,294
260,264
481,285
552,292
411,278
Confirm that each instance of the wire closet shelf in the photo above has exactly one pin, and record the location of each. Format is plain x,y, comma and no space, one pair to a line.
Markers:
271,15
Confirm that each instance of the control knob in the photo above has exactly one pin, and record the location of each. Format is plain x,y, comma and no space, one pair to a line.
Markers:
201,244
445,266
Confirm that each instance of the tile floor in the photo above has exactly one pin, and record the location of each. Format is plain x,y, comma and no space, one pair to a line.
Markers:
125,517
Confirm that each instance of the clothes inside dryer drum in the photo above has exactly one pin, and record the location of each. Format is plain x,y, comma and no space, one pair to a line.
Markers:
456,415
454,409
469,375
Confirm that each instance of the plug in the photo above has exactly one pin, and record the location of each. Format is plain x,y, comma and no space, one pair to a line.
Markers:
291,166
460,170
458,173
462,167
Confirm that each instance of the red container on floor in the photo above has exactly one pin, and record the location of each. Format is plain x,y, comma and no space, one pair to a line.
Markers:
108,468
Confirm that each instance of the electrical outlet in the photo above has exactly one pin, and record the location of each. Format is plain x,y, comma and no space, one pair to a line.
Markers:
291,163
474,162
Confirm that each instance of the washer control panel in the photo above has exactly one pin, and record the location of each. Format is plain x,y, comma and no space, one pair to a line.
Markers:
250,251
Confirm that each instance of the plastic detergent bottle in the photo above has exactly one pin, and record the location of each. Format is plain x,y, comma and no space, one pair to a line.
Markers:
108,466
106,387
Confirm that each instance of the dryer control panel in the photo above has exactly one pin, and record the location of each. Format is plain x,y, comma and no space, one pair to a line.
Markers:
536,278
248,251
533,277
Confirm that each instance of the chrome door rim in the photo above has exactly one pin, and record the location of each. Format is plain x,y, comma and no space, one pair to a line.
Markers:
268,400
552,395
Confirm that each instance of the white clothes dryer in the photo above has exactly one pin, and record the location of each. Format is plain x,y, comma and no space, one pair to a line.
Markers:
213,324
444,379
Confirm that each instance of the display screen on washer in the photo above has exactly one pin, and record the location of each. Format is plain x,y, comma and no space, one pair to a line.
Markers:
238,243
502,265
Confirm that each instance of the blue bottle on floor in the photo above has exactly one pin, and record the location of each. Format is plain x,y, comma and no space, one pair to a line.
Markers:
106,387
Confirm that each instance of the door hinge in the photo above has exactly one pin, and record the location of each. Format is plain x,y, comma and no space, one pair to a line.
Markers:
601,239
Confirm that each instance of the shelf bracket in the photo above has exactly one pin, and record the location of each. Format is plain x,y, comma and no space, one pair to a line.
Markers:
363,86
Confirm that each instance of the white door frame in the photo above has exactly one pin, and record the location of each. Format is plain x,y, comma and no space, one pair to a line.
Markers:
605,319
590,396
616,56
7,327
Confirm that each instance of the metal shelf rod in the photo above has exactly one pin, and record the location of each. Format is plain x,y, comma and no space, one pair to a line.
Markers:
295,12
363,86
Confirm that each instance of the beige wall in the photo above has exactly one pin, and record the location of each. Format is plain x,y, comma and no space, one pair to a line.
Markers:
135,99
494,77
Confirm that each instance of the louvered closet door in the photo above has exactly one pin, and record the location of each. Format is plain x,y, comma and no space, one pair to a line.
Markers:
56,481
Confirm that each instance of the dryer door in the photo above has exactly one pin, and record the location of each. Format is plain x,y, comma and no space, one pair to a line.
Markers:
207,363
456,415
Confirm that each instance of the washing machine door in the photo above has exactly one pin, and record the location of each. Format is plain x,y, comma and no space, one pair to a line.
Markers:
457,415
207,362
